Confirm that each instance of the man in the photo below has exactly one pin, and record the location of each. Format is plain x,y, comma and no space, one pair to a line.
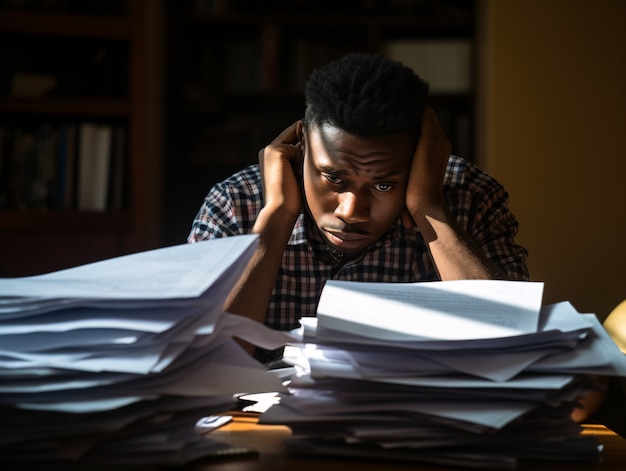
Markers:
364,188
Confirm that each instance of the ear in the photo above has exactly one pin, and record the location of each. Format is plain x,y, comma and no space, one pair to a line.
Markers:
301,147
300,131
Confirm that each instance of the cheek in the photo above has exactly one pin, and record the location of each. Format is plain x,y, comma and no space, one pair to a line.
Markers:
318,199
386,210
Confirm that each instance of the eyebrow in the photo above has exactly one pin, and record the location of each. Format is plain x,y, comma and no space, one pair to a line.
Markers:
334,171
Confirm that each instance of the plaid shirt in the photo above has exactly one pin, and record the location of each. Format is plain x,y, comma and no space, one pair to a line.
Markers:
477,200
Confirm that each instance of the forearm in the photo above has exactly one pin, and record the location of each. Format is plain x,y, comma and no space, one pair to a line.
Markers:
455,253
251,295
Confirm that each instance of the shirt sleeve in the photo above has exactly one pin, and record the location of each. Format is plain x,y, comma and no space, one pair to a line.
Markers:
230,208
497,236
482,208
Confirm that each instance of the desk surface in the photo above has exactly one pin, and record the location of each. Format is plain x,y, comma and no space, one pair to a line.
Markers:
268,440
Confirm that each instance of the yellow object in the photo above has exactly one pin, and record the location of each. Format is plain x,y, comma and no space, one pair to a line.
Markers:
615,325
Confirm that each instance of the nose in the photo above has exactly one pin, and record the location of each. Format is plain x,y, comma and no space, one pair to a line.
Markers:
353,207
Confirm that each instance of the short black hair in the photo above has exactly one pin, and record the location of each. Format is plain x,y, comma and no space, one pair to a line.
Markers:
366,95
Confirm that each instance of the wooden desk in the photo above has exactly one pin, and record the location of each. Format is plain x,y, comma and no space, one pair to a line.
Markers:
268,440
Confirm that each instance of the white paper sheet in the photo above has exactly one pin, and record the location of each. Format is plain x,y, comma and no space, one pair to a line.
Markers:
447,310
179,271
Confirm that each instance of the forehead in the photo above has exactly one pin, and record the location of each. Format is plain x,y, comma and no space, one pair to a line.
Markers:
330,146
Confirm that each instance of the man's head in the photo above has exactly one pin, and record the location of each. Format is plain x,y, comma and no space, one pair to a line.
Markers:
366,95
362,121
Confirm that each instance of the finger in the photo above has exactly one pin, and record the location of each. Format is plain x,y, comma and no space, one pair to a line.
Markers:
433,132
427,121
289,135
435,125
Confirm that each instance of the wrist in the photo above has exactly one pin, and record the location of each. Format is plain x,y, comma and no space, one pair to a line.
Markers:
275,221
426,208
282,206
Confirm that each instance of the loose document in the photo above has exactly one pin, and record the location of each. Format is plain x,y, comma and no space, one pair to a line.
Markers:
114,363
473,373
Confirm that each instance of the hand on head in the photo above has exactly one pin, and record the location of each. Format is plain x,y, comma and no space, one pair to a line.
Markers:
280,164
425,184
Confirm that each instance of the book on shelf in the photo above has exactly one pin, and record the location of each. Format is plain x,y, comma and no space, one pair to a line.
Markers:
4,175
94,160
446,64
42,178
63,166
28,167
117,172
67,165
86,166
32,85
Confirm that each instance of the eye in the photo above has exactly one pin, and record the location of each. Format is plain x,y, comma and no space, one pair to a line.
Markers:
334,179
383,187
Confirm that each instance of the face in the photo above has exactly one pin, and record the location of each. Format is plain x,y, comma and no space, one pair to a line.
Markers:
354,187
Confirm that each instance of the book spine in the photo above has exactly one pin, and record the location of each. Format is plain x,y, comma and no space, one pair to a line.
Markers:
86,166
102,159
117,173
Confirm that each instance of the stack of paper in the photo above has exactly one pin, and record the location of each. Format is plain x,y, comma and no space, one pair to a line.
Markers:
466,373
115,362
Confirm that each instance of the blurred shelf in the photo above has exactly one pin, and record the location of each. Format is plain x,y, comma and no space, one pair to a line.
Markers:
49,220
90,106
45,23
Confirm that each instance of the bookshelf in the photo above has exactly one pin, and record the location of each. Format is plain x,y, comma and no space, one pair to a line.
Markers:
237,72
68,71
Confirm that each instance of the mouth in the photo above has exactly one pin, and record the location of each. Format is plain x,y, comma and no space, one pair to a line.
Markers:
346,241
